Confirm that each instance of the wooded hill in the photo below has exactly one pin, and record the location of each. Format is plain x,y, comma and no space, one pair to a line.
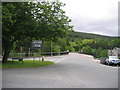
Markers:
89,36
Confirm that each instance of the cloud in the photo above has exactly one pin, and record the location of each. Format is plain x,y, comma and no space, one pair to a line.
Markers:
93,16
109,27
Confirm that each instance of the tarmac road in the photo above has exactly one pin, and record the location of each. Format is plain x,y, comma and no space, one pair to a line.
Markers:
73,71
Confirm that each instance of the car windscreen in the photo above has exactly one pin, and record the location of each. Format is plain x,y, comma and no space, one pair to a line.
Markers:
113,57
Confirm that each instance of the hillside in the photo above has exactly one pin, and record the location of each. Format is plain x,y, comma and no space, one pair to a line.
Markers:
89,35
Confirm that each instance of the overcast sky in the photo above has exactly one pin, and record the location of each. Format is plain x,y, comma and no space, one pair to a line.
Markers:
93,16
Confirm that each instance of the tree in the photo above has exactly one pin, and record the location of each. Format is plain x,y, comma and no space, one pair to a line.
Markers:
16,18
114,43
51,20
104,53
87,49
42,20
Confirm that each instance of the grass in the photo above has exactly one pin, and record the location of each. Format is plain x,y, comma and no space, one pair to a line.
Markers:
26,64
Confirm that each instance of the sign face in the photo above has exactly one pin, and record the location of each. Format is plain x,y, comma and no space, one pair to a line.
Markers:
37,44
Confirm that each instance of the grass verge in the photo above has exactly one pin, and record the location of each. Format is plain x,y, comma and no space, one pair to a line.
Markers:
26,64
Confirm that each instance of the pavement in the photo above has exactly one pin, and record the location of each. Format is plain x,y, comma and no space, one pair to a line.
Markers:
71,71
54,59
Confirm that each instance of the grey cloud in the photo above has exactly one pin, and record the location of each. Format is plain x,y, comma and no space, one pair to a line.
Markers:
105,27
105,23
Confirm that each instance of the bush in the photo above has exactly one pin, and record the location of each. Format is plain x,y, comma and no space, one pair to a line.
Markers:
56,49
71,49
104,53
87,50
97,53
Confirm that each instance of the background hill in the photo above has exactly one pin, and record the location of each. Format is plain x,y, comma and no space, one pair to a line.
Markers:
89,36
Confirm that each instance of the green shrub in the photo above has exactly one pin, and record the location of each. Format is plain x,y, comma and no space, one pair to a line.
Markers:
87,50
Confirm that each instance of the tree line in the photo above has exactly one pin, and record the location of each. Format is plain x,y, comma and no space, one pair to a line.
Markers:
98,47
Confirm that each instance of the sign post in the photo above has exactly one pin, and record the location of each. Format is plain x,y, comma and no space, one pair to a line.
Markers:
37,44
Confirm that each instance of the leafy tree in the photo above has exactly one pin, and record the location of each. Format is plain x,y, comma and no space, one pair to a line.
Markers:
16,18
87,49
114,43
56,49
51,20
104,53
98,52
42,20
62,43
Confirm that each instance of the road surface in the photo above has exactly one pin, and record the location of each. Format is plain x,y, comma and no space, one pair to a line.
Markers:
73,71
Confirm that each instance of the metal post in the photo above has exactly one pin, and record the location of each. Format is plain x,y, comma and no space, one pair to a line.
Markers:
51,48
33,56
40,55
59,50
29,52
